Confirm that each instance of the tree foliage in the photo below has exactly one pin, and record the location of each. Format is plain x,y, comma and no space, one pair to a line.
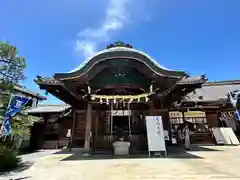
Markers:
11,72
11,64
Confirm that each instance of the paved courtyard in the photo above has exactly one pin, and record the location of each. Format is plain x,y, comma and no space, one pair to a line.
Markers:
205,162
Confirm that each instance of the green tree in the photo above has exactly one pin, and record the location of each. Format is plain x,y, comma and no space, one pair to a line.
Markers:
11,64
11,72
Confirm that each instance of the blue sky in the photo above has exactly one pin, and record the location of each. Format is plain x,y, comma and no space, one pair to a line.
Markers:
198,36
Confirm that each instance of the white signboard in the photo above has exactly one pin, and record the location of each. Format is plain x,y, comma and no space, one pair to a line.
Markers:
218,136
175,114
225,136
121,113
155,134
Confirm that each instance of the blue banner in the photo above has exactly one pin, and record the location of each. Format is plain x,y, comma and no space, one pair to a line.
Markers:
234,98
16,104
238,114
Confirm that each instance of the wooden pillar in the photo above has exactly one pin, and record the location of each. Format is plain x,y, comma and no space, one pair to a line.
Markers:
96,131
73,129
152,108
88,128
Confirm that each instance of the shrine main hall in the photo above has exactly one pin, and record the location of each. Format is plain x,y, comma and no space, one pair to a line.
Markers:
118,87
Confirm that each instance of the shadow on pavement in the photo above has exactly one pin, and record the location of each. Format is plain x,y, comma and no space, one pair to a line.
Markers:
26,177
201,148
173,152
27,151
182,153
24,166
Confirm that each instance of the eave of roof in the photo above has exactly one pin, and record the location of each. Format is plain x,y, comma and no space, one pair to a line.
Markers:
23,90
193,80
184,81
47,80
41,109
220,83
28,92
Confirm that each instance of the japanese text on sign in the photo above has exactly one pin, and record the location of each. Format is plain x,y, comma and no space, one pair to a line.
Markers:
158,126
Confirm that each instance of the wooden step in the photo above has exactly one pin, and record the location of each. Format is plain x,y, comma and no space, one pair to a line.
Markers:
102,151
201,138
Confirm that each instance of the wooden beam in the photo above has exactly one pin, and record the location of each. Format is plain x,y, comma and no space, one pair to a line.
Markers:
73,94
194,107
161,110
65,96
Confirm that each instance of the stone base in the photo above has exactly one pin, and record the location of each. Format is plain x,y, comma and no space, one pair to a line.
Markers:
157,154
121,148
86,154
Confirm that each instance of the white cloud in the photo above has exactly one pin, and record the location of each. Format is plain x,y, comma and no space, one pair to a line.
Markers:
116,17
87,48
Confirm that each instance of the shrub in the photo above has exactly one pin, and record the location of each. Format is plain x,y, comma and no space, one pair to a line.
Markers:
8,158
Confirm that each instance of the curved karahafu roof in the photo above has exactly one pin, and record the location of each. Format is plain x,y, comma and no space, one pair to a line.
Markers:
120,51
124,49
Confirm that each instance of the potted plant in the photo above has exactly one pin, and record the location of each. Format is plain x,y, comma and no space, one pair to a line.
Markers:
120,146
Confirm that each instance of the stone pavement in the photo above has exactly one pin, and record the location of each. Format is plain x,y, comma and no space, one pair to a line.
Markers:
213,162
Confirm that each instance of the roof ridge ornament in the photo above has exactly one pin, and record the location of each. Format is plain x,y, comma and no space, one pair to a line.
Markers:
119,44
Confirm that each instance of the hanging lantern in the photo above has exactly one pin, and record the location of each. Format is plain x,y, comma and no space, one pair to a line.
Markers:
107,101
101,101
114,100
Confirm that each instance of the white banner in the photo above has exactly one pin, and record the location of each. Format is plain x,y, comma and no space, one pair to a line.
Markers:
155,133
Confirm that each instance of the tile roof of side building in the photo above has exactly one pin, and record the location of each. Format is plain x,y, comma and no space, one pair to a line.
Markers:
48,108
29,92
24,91
213,91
